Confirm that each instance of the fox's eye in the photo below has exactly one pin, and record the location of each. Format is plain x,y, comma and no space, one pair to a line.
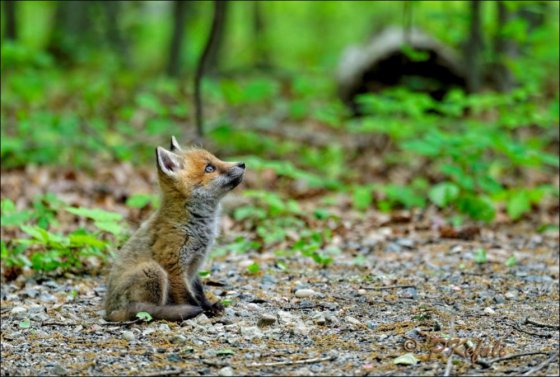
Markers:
209,168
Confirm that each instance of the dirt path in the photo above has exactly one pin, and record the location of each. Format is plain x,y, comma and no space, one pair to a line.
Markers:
345,319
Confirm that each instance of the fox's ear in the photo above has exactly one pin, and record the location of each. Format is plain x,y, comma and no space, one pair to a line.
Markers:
174,145
168,162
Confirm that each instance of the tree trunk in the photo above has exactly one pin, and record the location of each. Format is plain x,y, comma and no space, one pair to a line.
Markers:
535,14
175,48
505,48
72,29
113,32
216,50
10,18
474,48
262,59
217,28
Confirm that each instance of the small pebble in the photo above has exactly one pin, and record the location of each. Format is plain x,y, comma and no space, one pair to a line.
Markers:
164,327
253,307
362,291
320,320
489,311
59,370
511,295
18,311
251,332
353,321
266,320
226,371
129,336
178,339
305,293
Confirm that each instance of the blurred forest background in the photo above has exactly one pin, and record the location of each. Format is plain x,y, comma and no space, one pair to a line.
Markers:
421,107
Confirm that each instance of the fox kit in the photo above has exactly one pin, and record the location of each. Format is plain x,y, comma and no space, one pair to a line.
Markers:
156,270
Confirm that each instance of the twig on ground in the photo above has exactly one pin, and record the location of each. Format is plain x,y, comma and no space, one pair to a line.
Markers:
61,324
540,324
542,365
125,323
172,372
293,362
449,365
518,328
388,287
488,363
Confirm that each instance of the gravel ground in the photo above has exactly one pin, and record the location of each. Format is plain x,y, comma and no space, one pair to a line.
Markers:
345,319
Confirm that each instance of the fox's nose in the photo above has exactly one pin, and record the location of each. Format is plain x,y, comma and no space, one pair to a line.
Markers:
241,165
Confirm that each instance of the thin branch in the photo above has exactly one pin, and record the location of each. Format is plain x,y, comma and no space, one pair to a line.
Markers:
488,363
388,287
540,324
293,362
542,365
171,372
518,328
217,23
124,323
61,324
449,365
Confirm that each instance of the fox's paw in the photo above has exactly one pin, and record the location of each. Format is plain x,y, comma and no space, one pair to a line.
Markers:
214,310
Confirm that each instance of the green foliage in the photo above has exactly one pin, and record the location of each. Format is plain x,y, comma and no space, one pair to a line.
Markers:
24,324
253,268
47,250
144,316
480,256
443,194
142,200
511,261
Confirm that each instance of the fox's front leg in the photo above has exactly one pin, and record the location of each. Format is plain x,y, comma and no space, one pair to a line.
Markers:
209,308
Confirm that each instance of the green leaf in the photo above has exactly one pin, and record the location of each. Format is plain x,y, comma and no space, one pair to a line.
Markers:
480,256
78,240
203,273
95,214
25,324
253,268
224,352
362,197
226,302
478,208
518,204
139,200
144,316
443,194
406,359
36,232
109,226
511,261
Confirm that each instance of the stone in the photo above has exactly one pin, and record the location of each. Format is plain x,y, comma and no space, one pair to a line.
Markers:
353,321
178,339
225,371
511,295
253,307
18,311
59,370
285,317
320,320
305,292
266,320
489,311
251,332
129,336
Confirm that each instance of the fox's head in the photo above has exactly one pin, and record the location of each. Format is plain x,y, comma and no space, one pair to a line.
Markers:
196,173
